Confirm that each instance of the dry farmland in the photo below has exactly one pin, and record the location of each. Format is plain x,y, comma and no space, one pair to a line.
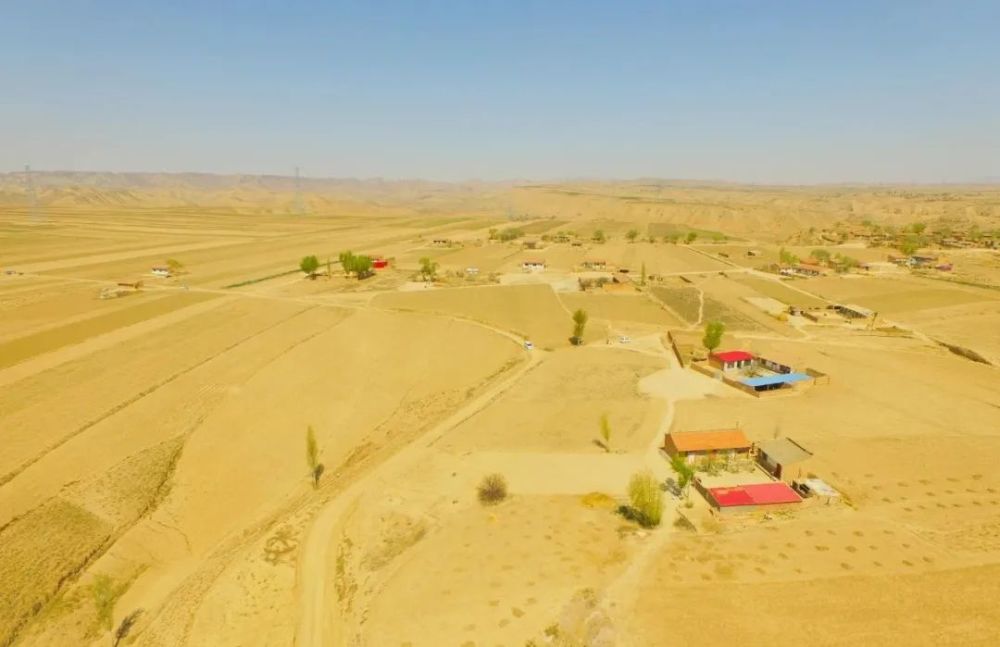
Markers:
154,441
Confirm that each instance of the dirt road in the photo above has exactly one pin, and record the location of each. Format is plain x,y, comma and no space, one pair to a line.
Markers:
313,604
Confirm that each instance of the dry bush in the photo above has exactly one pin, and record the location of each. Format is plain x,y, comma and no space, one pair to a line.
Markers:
492,489
646,499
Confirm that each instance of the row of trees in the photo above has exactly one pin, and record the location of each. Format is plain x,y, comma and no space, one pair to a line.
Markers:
357,264
840,262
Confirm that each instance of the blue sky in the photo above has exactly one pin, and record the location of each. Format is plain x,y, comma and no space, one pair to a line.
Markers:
773,92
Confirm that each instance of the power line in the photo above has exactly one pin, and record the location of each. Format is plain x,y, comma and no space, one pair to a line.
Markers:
29,187
298,207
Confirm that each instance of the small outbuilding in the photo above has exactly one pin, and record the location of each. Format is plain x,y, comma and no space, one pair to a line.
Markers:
533,265
162,271
696,445
783,458
852,311
731,359
773,382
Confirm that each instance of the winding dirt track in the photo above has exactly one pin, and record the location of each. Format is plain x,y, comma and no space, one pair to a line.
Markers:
312,567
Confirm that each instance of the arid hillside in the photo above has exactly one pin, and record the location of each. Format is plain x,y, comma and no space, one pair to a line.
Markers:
655,207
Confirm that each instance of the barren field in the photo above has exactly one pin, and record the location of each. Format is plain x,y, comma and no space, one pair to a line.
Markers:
155,444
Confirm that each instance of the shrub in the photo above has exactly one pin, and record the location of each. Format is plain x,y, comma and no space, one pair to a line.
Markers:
646,499
492,489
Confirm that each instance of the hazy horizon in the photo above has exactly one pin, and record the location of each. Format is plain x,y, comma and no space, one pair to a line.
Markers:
855,93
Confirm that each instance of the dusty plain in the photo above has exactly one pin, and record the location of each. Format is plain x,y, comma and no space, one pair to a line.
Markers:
152,446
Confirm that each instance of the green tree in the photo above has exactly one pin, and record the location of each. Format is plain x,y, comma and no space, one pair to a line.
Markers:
646,499
642,280
346,262
509,234
786,257
674,238
844,263
329,268
174,265
599,236
683,471
909,245
309,265
493,233
606,432
632,234
312,457
918,227
713,335
361,266
428,269
579,324
820,255
691,237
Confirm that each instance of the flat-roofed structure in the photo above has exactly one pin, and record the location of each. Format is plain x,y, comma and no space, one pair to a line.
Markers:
783,458
772,382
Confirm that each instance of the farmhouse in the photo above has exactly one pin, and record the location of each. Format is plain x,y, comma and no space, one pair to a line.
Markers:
442,242
852,311
918,260
161,271
802,269
472,271
697,445
731,359
752,497
533,265
594,265
783,458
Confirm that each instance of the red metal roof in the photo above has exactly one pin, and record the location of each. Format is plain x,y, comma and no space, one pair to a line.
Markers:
754,494
733,356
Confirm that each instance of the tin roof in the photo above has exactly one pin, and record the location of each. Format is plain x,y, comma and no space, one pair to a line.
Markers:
784,451
768,380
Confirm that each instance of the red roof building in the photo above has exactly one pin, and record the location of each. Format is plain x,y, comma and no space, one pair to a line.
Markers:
754,494
730,359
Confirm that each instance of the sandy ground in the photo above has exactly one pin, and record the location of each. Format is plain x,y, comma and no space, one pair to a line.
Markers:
159,438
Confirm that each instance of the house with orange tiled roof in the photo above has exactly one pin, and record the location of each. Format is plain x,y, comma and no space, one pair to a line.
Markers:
694,446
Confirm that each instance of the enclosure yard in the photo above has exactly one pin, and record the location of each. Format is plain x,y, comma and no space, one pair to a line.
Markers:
558,406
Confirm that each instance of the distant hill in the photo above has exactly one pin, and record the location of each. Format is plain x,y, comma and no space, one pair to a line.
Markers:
741,210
